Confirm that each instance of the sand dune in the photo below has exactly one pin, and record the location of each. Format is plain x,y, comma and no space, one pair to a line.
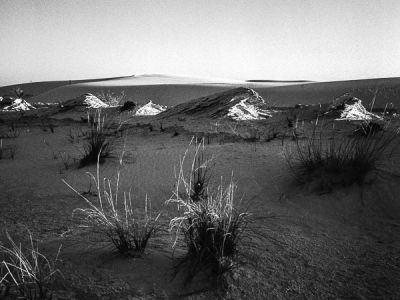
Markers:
239,104
163,89
172,90
325,92
36,88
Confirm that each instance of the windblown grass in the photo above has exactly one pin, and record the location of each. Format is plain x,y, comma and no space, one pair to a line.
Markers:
114,218
111,98
210,225
341,160
28,272
200,174
98,141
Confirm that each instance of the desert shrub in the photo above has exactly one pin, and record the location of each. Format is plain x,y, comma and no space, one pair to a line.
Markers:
18,92
182,119
47,125
11,150
128,105
210,224
66,159
368,128
11,133
74,135
251,135
27,271
128,230
98,144
5,285
111,98
200,174
339,160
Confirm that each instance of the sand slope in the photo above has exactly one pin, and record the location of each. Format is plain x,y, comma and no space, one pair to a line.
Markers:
172,90
36,88
325,92
162,89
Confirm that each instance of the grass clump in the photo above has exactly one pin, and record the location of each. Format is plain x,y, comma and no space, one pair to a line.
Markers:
98,142
12,132
368,128
111,98
28,272
10,149
210,224
115,219
327,160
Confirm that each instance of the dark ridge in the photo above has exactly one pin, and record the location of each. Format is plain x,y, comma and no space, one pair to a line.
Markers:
215,105
38,87
278,81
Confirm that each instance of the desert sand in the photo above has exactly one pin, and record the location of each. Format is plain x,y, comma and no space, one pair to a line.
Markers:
303,243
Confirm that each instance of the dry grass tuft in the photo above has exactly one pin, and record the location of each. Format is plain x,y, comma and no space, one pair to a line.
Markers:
26,271
332,160
98,141
210,224
111,98
128,229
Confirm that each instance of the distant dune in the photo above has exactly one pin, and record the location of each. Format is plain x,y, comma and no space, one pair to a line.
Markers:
161,89
37,88
388,90
172,90
279,81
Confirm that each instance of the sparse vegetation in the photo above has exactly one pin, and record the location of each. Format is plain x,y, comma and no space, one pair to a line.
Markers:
200,174
74,135
339,160
28,272
368,128
272,134
11,133
11,150
127,229
111,98
66,160
128,105
18,92
211,226
98,144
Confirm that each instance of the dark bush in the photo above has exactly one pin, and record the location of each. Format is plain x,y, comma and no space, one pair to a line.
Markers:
339,160
128,105
98,144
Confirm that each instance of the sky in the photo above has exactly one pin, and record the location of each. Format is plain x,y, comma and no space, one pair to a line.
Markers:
322,40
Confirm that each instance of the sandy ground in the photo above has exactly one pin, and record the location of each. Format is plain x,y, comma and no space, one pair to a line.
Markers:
303,245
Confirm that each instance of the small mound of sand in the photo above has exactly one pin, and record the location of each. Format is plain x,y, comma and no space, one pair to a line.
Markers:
150,109
88,100
239,104
352,109
18,105
244,110
93,102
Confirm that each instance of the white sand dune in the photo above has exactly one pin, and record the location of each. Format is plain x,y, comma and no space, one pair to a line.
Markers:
357,112
87,100
18,105
150,109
